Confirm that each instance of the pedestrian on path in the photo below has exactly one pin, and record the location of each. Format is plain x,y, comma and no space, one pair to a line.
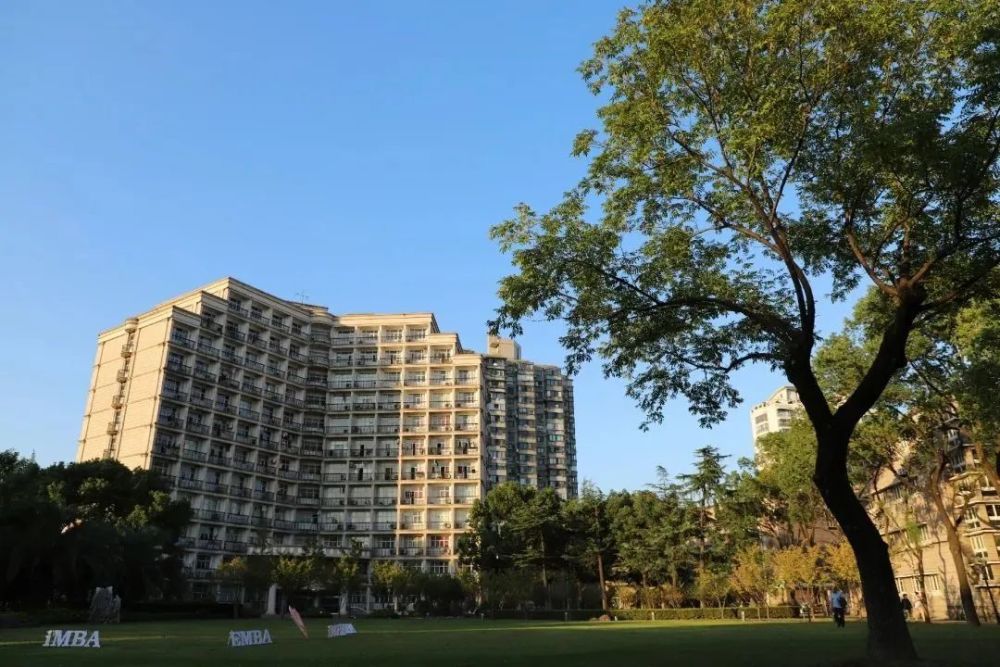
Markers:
838,602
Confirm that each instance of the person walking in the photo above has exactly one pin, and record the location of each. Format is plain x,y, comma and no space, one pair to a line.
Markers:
838,602
907,606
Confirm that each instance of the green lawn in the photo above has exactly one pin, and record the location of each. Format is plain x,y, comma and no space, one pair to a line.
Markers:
410,643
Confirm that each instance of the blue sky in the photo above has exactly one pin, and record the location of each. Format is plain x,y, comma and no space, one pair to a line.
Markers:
357,152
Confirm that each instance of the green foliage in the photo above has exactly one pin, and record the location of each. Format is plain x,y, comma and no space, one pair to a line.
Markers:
292,574
699,262
507,589
712,586
800,567
749,150
69,528
787,463
753,576
389,577
514,526
650,542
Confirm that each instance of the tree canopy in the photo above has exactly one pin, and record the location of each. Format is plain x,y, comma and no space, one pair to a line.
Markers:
750,152
67,529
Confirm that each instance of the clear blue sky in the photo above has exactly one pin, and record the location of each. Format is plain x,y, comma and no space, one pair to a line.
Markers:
358,152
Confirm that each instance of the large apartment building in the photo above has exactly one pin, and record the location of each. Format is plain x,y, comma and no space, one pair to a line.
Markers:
284,424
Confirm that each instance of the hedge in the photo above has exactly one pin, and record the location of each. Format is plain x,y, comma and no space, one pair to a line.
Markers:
158,611
672,614
49,616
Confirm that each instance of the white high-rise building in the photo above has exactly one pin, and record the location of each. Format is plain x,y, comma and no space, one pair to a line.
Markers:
284,425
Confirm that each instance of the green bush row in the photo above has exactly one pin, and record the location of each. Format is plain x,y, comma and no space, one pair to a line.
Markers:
50,616
673,614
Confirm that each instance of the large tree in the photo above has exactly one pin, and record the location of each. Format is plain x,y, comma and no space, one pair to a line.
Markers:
588,532
755,155
69,528
922,420
703,487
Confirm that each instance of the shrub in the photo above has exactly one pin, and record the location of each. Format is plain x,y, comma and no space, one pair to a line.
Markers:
671,614
50,616
163,610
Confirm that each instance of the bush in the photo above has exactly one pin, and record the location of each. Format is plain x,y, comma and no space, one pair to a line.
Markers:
50,616
159,611
672,614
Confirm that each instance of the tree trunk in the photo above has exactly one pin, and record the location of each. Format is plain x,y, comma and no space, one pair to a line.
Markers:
921,594
888,635
954,543
545,577
600,579
545,587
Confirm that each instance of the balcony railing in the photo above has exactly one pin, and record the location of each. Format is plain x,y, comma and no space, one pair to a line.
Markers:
178,367
210,544
195,455
197,427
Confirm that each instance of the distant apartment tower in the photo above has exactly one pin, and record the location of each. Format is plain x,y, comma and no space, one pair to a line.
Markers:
530,421
284,424
775,414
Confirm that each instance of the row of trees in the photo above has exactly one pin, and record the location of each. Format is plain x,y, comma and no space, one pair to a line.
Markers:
304,579
67,529
695,539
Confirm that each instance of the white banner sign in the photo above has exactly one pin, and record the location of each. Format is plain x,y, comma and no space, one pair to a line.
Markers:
72,639
249,637
340,630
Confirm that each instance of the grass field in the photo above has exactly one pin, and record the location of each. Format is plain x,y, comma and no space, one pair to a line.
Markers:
412,643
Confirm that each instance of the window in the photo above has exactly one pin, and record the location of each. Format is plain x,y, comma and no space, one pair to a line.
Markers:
893,493
978,546
932,582
203,562
971,519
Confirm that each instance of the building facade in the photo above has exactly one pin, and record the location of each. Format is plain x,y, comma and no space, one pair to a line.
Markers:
286,425
529,421
775,414
915,532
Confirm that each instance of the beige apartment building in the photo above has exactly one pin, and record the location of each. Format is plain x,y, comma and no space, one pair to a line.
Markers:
915,533
775,414
284,424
